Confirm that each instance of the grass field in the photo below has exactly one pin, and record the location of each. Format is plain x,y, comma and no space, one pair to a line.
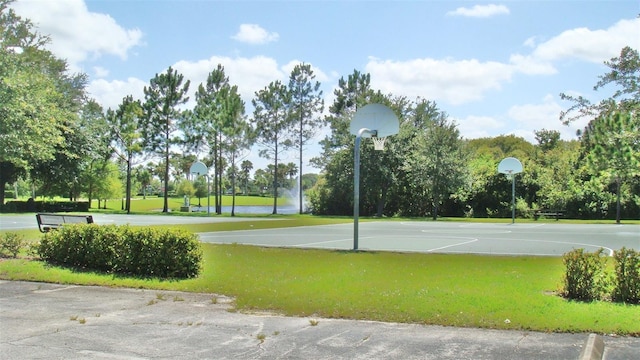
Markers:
502,292
155,203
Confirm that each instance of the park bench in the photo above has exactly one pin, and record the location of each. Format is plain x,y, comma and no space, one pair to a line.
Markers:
47,222
555,213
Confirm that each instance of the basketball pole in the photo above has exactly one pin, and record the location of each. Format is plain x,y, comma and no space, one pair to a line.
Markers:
513,198
356,182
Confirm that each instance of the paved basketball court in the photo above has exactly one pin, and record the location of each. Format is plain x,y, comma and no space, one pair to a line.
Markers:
543,239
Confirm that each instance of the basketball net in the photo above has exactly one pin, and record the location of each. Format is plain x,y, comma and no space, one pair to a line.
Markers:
378,142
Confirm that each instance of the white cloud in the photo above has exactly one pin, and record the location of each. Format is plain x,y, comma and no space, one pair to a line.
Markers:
254,34
109,94
480,11
544,115
473,127
100,71
531,42
320,75
591,45
455,82
582,44
530,65
249,74
76,33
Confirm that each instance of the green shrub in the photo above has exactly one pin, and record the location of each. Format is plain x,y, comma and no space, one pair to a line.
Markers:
11,243
585,275
627,276
163,253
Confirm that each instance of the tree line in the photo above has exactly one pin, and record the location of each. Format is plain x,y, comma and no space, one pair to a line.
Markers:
428,169
62,142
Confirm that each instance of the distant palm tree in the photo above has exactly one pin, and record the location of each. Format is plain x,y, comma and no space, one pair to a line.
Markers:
245,170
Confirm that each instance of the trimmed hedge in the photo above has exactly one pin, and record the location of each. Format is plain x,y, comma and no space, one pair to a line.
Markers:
147,252
11,243
627,281
587,276
16,206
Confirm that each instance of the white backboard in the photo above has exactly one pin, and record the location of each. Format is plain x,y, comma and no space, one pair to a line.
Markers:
375,117
199,168
510,166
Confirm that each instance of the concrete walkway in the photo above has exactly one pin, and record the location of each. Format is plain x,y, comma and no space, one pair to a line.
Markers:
48,321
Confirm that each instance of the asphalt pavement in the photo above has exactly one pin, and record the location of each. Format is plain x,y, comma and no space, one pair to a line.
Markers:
49,321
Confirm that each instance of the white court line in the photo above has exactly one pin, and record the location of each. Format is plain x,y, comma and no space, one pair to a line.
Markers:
325,242
610,250
452,245
454,231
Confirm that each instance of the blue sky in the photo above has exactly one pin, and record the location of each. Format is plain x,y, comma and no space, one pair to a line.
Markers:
495,67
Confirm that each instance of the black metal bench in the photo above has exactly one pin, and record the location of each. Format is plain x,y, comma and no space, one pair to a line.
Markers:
47,222
555,213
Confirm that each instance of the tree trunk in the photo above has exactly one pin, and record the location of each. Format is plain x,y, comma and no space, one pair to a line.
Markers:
434,215
2,194
381,201
165,207
127,203
300,192
275,178
219,174
618,185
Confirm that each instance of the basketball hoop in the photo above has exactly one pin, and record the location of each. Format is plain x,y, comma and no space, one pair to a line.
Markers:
376,121
378,142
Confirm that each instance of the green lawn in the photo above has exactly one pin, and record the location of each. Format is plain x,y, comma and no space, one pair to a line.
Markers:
506,292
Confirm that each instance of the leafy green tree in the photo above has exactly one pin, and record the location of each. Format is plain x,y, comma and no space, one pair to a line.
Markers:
272,124
613,144
239,137
436,163
237,145
245,175
100,151
376,167
200,185
487,192
144,177
262,179
555,171
38,104
217,125
624,72
306,107
186,188
352,93
125,130
181,164
610,138
547,139
109,185
309,180
59,175
165,93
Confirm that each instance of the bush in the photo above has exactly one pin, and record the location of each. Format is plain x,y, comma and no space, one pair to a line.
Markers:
45,206
11,243
585,276
163,253
627,276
